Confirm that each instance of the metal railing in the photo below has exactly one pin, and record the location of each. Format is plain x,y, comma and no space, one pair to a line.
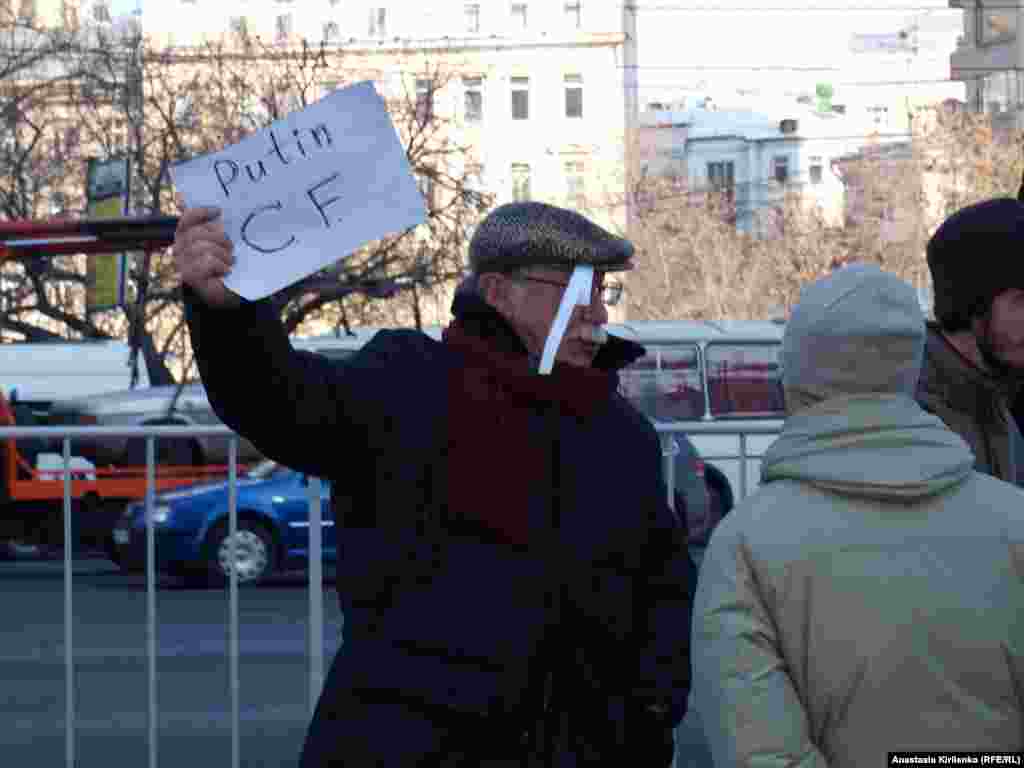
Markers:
316,641
669,449
316,650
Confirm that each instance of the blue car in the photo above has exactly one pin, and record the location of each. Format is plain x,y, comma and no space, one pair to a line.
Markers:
191,528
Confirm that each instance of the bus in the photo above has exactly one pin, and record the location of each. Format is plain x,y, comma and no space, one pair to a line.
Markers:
693,373
701,372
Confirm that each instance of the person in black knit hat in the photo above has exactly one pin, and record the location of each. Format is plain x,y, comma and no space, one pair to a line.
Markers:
974,355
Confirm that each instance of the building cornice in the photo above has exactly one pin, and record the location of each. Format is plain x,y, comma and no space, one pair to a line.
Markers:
409,46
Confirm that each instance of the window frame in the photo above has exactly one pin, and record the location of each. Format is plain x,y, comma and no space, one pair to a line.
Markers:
515,10
524,175
472,85
573,84
714,412
471,16
523,88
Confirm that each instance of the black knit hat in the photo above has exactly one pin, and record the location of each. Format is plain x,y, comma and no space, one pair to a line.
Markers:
975,255
529,234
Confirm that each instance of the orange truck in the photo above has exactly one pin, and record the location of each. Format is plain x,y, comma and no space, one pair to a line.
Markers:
31,469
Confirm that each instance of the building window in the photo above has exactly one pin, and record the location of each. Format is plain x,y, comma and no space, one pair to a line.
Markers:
331,30
378,22
473,188
473,18
239,26
575,191
722,177
520,98
574,95
519,15
101,13
283,27
1001,92
573,14
185,114
996,21
780,169
815,170
424,100
520,182
474,90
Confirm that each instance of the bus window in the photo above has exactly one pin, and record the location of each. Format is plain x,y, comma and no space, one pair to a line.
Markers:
744,379
679,395
638,384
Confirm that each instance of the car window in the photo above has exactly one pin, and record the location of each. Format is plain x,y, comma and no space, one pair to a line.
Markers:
744,379
671,392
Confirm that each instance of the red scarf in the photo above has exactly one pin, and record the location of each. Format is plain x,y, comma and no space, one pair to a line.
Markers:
498,454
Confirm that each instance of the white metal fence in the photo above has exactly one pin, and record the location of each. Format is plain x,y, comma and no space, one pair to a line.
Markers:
316,640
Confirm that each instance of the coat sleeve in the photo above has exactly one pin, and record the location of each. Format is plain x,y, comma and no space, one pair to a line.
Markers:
665,589
751,712
298,408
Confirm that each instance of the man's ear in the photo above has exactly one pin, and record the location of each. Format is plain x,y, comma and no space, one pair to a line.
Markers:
493,289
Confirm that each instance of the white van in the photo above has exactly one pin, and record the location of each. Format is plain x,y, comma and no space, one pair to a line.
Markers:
701,372
39,373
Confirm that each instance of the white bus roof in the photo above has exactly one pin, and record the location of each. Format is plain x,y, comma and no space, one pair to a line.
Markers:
668,331
643,332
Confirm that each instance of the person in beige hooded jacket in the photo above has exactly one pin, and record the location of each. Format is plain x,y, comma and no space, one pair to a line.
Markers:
869,597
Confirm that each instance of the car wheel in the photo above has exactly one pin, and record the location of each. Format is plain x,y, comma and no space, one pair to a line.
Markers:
255,553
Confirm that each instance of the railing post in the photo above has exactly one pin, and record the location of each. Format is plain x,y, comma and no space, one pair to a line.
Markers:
233,634
743,465
69,616
153,720
316,593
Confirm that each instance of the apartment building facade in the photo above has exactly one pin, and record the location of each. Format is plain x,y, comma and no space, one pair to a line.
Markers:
534,89
755,156
989,59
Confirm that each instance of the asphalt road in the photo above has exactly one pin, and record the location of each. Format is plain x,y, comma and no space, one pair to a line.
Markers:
110,671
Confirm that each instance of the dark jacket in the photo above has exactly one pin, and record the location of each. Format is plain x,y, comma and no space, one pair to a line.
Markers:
973,404
460,647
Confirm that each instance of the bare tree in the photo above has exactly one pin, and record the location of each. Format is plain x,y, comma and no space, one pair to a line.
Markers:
695,264
165,106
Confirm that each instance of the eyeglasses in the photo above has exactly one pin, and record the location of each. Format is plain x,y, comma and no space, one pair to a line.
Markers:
610,291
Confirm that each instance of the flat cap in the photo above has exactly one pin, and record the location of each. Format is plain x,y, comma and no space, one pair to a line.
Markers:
531,234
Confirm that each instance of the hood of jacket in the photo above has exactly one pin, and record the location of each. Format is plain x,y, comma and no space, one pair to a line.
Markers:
875,446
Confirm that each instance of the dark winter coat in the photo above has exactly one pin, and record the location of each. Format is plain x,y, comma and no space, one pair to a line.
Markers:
515,589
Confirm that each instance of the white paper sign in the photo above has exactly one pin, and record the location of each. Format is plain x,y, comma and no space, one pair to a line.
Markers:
577,294
307,190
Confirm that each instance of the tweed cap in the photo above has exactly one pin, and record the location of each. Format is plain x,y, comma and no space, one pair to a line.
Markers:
973,257
518,235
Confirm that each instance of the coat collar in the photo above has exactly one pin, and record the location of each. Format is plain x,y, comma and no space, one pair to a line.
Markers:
480,319
956,379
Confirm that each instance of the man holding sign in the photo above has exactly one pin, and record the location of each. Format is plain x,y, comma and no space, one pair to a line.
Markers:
515,589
